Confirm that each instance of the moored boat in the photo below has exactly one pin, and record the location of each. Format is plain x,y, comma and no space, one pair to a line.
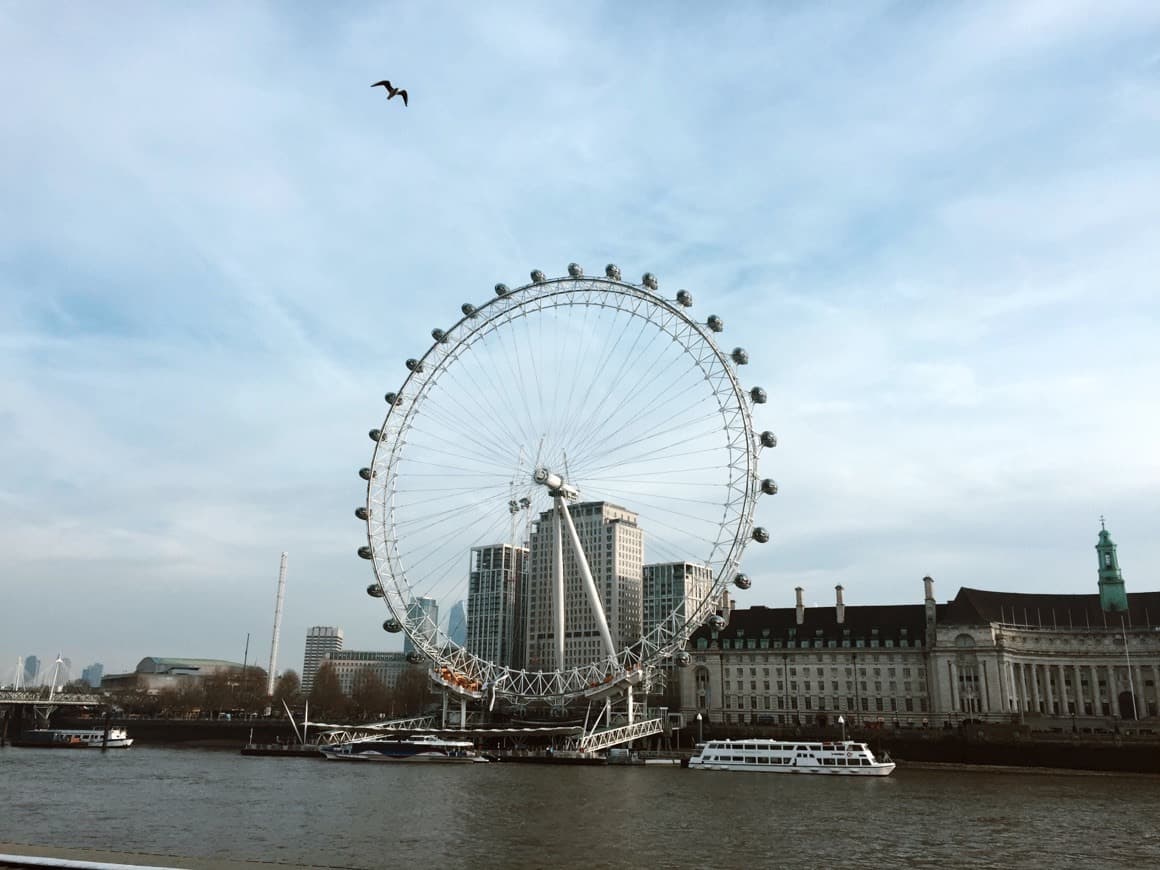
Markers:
422,747
74,738
837,758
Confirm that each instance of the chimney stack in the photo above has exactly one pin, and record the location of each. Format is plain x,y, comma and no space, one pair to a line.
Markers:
928,588
840,607
801,606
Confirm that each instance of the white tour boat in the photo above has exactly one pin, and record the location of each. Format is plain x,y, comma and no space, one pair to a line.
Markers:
74,738
422,747
837,758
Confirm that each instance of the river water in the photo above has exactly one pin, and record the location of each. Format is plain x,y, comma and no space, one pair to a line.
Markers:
207,804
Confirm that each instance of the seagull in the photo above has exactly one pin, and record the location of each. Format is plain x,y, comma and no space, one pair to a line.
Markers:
392,90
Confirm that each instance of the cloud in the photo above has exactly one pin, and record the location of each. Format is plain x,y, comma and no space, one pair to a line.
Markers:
933,231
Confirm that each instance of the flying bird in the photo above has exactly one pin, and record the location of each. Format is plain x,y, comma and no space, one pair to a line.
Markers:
392,91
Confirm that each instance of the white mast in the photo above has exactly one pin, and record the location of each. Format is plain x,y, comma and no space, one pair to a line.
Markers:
277,627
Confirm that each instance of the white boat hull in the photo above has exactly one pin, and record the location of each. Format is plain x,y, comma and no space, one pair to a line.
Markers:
837,758
881,769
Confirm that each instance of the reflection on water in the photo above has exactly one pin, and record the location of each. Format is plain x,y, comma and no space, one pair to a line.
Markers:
301,811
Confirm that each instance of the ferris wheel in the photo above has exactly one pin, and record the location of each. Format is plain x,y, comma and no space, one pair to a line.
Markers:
563,487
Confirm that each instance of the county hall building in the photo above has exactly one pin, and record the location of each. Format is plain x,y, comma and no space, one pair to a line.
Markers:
1056,661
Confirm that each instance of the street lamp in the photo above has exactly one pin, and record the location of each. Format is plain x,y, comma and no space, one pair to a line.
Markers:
700,733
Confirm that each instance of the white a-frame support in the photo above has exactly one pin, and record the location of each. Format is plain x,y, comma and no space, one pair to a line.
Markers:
561,516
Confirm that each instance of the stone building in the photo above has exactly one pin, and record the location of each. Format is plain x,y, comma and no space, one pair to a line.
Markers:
992,656
348,664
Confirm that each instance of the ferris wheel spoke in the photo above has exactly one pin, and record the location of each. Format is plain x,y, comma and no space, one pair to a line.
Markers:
645,376
432,520
598,377
497,427
641,412
617,455
635,424
436,586
584,421
465,448
516,381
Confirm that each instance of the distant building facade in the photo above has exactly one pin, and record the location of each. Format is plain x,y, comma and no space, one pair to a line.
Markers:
348,664
31,670
457,624
984,655
92,675
495,581
614,546
673,590
320,640
156,673
423,614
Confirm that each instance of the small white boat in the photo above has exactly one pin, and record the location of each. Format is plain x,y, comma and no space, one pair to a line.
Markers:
422,747
74,738
839,758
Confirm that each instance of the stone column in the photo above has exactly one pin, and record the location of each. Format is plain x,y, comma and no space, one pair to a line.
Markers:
985,691
1113,695
1097,706
1035,686
1048,696
1138,692
1077,683
953,670
1023,685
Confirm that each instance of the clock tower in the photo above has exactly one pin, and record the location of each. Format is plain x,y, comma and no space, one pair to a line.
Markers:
1113,598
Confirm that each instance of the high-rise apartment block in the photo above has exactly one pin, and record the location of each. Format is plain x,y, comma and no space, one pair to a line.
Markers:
320,640
673,590
495,584
614,546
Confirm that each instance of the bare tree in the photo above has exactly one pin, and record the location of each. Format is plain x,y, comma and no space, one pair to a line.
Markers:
288,689
326,696
369,696
412,692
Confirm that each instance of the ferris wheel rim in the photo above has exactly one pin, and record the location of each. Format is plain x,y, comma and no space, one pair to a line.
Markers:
667,637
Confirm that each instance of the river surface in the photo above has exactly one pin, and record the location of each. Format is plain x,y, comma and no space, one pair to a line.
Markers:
207,804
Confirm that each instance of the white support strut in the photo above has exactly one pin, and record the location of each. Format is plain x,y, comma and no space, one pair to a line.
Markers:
558,577
589,583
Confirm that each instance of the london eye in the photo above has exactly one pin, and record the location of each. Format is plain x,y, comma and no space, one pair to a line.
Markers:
573,463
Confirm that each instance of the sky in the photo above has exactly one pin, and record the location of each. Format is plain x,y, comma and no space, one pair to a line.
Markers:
933,225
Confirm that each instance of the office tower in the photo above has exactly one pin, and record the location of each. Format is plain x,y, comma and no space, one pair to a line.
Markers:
92,674
457,624
423,613
494,586
320,640
614,547
31,670
674,589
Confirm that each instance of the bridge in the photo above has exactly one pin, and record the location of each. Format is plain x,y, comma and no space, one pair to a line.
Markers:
595,741
44,697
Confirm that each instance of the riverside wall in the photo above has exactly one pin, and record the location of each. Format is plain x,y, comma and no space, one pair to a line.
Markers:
1004,745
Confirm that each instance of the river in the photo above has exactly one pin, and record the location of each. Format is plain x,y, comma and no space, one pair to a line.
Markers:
219,805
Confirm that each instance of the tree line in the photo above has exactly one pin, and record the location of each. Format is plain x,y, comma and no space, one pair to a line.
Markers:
243,693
